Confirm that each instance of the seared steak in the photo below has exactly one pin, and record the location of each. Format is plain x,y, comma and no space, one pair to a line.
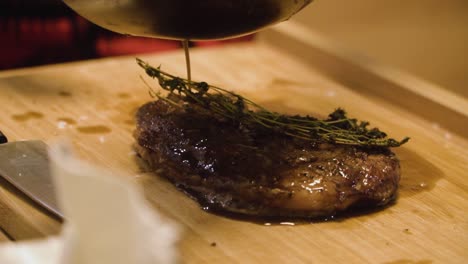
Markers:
255,171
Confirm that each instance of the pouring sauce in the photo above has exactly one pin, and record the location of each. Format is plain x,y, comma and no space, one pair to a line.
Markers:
182,19
187,20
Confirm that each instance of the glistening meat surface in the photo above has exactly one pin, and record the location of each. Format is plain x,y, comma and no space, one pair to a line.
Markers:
255,171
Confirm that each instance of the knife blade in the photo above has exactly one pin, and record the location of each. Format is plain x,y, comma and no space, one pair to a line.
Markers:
25,164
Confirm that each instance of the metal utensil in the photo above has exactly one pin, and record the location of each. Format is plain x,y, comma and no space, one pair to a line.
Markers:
187,19
25,165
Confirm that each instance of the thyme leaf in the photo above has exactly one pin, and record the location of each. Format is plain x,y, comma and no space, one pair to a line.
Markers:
338,128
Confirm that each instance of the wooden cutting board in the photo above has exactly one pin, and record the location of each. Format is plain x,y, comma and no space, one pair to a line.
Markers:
92,103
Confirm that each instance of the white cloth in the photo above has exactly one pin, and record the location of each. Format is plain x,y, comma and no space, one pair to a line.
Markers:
107,221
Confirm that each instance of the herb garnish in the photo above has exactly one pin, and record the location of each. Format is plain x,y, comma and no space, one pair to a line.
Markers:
336,129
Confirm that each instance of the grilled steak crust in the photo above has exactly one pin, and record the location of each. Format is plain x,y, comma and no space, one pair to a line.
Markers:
254,171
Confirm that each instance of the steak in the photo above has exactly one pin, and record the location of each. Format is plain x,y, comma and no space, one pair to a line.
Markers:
256,171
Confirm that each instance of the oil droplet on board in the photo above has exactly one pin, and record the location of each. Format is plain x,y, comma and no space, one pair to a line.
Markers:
125,112
123,95
94,129
129,122
418,174
27,116
64,122
67,120
407,231
64,94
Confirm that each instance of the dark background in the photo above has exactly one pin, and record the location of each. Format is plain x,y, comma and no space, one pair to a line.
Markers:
37,32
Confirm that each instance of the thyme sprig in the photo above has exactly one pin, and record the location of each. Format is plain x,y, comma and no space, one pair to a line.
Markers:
336,129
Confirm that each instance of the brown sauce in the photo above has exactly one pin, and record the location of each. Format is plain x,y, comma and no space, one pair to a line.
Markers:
340,217
123,95
407,231
68,121
417,174
64,94
125,112
94,129
129,122
27,116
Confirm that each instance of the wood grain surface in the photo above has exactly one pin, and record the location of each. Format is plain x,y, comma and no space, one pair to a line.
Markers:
424,37
92,103
4,237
